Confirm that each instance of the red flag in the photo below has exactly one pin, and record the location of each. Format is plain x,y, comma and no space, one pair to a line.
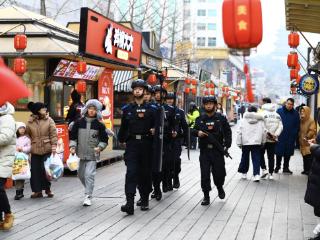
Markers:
12,87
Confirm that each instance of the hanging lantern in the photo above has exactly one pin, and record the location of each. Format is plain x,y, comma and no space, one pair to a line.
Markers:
19,66
152,79
298,67
20,42
188,81
207,85
211,92
293,39
194,82
292,60
165,85
245,68
294,74
194,91
81,67
81,86
211,85
187,90
298,79
242,23
206,92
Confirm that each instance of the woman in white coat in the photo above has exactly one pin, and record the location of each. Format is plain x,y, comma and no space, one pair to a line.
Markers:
251,137
7,152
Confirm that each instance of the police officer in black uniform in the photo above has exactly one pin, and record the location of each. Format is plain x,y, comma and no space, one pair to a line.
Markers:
182,135
149,94
212,125
136,132
169,131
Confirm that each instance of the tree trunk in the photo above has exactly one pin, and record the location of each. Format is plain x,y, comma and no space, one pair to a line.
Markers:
43,10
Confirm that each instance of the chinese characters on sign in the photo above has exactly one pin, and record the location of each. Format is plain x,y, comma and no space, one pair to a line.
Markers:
120,39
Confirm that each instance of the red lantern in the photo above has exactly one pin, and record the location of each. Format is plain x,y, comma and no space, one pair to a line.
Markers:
294,74
188,81
293,40
245,68
194,82
206,92
187,90
298,79
242,23
165,85
81,86
81,67
19,66
212,92
292,60
211,85
207,85
20,42
152,79
298,67
194,91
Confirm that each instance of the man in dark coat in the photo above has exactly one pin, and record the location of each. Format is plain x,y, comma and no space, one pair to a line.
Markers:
286,142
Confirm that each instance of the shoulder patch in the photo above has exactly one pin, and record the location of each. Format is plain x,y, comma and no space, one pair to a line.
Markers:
125,107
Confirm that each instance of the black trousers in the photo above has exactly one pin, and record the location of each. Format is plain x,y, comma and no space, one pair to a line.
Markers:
138,159
316,212
193,142
211,162
38,179
307,161
4,201
177,149
270,149
285,163
167,162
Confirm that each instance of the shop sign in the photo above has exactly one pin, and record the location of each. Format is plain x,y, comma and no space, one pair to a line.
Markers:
152,62
105,40
309,84
68,69
63,141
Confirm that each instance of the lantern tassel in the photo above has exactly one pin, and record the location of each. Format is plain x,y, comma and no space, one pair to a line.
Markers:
250,95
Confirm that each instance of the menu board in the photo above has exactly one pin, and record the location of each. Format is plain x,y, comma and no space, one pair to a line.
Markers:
68,69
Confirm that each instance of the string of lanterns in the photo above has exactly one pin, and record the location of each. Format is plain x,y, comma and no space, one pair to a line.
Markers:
190,86
19,63
293,63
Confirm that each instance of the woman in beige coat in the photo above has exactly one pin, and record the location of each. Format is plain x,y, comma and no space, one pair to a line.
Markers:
43,134
308,130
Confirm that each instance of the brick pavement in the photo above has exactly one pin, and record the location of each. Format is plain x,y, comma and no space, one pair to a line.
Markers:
266,210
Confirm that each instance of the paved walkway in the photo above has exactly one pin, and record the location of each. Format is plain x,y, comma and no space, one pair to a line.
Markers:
266,210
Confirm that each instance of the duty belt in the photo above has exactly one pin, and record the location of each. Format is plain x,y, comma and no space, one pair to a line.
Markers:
210,146
140,136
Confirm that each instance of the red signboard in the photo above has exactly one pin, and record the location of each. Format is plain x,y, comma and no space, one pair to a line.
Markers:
63,141
105,95
105,40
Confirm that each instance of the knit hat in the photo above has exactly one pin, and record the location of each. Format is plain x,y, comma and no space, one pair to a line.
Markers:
20,125
92,103
35,107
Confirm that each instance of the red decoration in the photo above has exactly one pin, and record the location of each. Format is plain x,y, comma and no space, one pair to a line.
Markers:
187,90
165,85
81,67
206,92
250,95
81,86
194,82
293,40
242,23
152,79
211,85
188,81
292,60
19,66
12,90
207,85
298,79
20,42
294,74
194,91
245,68
298,67
212,92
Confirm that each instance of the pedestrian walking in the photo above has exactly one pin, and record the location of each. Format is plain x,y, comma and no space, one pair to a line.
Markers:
88,138
251,137
43,134
192,115
7,152
74,112
214,134
286,141
308,130
312,195
273,126
179,139
136,133
23,145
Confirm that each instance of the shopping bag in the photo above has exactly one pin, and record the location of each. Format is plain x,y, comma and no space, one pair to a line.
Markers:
54,167
8,184
21,167
73,162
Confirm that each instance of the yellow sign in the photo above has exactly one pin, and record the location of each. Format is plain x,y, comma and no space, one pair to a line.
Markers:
122,55
242,10
242,25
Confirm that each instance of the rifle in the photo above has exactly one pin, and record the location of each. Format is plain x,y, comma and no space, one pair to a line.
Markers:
217,144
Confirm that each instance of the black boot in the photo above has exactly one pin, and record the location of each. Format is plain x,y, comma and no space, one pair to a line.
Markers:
145,202
221,192
158,194
176,182
19,194
170,186
206,199
164,187
139,202
129,206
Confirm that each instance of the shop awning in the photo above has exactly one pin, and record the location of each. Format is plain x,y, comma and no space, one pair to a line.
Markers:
303,15
122,81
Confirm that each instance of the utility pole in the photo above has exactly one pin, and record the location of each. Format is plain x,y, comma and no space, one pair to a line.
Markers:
108,9
162,19
43,10
173,31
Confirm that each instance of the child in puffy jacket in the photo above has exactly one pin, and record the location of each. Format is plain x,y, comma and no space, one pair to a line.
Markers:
23,144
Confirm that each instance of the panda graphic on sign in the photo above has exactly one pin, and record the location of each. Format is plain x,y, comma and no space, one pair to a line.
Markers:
108,40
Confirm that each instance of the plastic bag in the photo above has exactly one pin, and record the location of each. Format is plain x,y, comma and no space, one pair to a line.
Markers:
54,167
21,167
73,162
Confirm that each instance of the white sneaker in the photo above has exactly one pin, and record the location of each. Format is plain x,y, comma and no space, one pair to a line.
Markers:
264,174
270,177
244,176
316,230
87,201
256,178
